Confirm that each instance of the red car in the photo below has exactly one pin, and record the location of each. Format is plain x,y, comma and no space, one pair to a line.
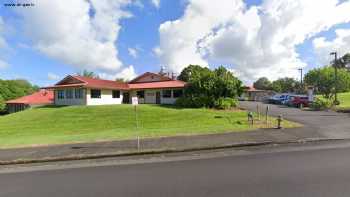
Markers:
300,100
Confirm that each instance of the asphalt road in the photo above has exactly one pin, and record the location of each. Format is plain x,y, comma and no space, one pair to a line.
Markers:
301,172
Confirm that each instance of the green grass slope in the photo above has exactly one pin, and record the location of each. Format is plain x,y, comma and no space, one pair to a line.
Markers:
344,99
55,125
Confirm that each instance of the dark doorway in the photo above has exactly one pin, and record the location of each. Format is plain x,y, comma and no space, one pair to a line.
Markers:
157,97
126,97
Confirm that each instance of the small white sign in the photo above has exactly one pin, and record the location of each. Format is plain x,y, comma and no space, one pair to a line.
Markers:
134,100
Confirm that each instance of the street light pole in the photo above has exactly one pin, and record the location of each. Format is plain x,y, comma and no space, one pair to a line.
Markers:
336,102
301,79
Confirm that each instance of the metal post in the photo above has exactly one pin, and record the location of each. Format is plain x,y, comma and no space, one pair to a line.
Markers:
137,126
250,118
258,111
301,79
335,65
266,114
279,122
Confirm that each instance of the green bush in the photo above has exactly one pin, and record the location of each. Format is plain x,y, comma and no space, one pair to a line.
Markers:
321,104
225,103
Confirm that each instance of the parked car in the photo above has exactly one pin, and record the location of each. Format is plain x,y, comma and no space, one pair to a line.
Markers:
300,100
288,99
278,98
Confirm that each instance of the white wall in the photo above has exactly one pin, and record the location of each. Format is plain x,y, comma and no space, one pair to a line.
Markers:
106,98
72,101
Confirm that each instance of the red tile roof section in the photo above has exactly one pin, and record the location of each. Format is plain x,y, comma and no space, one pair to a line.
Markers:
42,97
157,85
101,83
108,84
163,78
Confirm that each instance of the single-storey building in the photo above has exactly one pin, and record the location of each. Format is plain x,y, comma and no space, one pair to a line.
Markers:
149,87
40,98
253,94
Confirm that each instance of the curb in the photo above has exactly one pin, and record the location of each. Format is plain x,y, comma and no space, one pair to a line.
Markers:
159,151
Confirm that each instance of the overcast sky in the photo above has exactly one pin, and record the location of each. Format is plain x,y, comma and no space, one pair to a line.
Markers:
124,38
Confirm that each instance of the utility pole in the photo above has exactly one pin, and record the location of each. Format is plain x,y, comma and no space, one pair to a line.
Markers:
301,79
335,65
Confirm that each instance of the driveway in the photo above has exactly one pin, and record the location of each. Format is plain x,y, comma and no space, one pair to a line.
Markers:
328,124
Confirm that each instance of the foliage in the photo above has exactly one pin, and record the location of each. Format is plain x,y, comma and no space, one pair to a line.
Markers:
86,73
2,103
205,86
122,80
11,89
321,103
285,85
263,83
323,80
226,103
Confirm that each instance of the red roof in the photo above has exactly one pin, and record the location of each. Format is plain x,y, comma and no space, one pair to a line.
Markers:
162,77
101,83
92,83
160,84
79,81
42,97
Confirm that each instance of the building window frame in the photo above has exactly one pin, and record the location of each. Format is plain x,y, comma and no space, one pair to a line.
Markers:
115,93
69,93
95,93
78,93
178,93
60,94
166,93
140,94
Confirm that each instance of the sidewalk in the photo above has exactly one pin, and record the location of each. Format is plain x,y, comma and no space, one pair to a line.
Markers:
155,145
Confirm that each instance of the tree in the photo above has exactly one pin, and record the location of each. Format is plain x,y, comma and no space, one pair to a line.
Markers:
263,83
323,80
86,73
205,87
192,71
11,89
2,103
286,84
122,80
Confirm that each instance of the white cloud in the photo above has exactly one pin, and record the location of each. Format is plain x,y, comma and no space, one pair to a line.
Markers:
52,76
156,3
4,48
3,64
257,41
340,44
133,52
82,33
127,73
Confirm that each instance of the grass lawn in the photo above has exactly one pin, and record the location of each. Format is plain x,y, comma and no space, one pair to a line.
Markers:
56,125
344,99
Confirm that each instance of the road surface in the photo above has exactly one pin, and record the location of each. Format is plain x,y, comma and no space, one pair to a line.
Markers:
264,172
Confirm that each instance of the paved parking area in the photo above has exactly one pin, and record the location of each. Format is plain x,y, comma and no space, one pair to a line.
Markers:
329,124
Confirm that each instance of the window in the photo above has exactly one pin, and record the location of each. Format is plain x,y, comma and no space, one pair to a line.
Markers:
166,93
116,94
69,93
60,94
177,93
95,93
78,93
140,94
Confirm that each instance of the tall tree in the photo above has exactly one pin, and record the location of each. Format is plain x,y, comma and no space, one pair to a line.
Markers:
323,80
263,83
86,73
206,86
286,84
